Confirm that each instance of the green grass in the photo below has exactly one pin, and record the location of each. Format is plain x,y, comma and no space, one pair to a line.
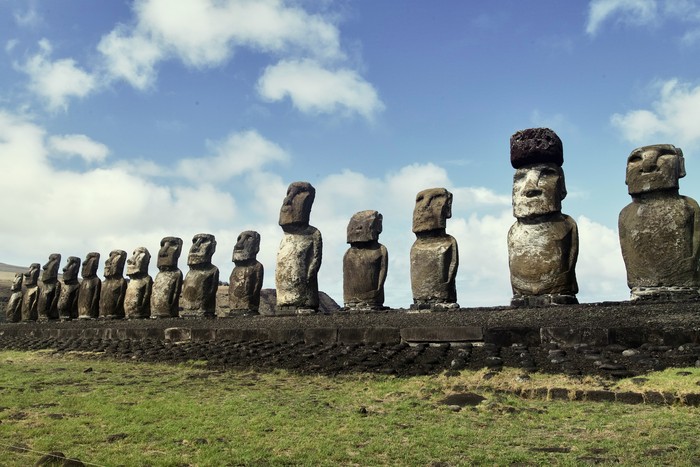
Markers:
146,414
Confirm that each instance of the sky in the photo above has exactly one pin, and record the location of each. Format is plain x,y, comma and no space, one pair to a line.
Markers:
125,122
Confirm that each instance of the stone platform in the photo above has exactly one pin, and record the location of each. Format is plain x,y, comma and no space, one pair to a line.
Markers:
619,339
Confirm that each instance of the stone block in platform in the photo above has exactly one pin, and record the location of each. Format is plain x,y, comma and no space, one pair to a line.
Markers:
285,335
444,334
507,336
178,334
568,337
320,335
369,335
241,335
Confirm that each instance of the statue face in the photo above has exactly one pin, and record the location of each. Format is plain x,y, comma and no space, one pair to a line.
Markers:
31,277
652,168
364,226
433,208
169,253
50,269
114,266
17,282
138,263
296,208
202,249
537,190
70,270
247,246
92,260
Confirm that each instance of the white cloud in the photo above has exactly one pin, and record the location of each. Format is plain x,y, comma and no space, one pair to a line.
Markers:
56,81
634,12
10,45
205,33
239,153
318,90
29,18
672,117
79,145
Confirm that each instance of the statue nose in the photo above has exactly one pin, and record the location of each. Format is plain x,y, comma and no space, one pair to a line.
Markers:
649,164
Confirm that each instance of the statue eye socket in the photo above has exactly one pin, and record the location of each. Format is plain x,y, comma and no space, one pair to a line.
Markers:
549,171
635,158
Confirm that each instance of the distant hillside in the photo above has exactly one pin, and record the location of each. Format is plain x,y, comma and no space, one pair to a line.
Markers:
13,269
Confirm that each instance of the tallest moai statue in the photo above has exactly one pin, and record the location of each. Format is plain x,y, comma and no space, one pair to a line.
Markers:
543,242
660,229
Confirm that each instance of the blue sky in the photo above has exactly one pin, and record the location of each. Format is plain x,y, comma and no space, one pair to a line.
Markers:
124,122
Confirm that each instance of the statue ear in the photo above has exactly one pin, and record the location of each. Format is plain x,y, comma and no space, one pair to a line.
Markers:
563,185
681,163
449,205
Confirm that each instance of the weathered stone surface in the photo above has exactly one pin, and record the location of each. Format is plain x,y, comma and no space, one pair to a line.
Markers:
434,254
30,293
300,253
660,229
114,286
442,334
137,301
165,296
90,288
365,263
543,242
246,279
13,311
68,298
535,146
202,280
49,289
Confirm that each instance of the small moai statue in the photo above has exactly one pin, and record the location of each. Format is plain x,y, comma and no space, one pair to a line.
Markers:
660,229
434,254
137,301
299,255
90,288
543,242
13,312
365,263
68,298
165,297
49,289
30,293
246,279
113,286
202,280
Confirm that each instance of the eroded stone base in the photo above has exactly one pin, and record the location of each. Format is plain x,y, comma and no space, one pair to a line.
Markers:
420,306
543,300
664,293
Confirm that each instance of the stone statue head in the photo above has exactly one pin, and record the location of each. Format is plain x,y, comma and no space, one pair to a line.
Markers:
296,208
17,282
114,266
139,261
364,226
247,246
537,155
92,260
653,168
70,270
50,269
433,208
169,253
202,249
31,277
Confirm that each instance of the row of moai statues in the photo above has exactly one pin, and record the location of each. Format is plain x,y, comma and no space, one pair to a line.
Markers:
659,236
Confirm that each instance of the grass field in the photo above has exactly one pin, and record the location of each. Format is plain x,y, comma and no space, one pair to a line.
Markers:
115,413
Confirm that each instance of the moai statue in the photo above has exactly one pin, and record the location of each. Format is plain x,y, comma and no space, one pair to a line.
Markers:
30,294
660,229
14,304
90,288
202,280
68,298
49,289
299,255
434,254
165,298
543,242
137,302
113,286
246,278
365,263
